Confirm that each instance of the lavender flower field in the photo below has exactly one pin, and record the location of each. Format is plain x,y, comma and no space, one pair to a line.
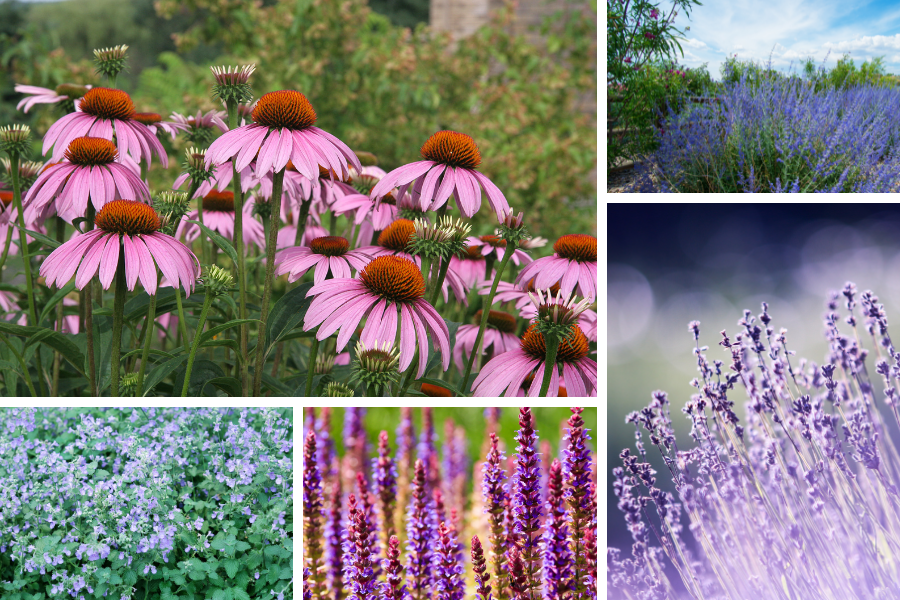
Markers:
490,517
133,504
788,487
780,135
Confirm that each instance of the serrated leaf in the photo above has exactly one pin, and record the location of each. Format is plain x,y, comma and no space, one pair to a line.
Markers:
272,577
285,553
130,577
285,573
179,579
218,544
218,595
242,546
240,594
271,550
197,575
232,567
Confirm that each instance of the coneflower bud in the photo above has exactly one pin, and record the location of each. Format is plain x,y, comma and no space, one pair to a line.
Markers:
15,140
111,61
232,83
512,229
128,384
324,363
171,207
217,280
262,207
28,172
376,367
366,159
335,389
195,165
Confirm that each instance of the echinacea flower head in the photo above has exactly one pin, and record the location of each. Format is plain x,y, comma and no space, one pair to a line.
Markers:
449,168
376,366
28,173
232,83
470,265
201,127
496,245
386,286
336,389
195,170
327,254
506,372
15,140
560,310
65,93
111,61
104,112
129,228
499,336
156,124
283,129
573,265
89,171
218,215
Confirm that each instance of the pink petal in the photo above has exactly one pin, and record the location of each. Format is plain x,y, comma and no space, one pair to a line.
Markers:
400,176
147,267
429,183
268,151
252,142
91,261
109,262
495,197
407,337
132,266
445,189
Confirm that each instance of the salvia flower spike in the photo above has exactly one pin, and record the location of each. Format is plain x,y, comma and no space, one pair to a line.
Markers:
419,534
495,498
526,502
482,588
577,475
312,515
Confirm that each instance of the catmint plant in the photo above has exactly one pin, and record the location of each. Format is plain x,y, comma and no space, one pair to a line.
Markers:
147,503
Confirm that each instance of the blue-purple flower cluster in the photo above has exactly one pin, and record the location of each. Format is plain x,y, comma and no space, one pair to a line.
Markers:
134,503
781,134
812,465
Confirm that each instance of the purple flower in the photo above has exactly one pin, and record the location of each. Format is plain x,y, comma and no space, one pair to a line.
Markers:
495,498
312,513
448,572
557,556
334,548
358,565
418,532
481,575
386,485
649,35
526,502
577,475
393,588
307,594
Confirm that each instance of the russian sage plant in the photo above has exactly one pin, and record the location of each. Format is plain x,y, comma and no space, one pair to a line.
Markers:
523,511
797,498
130,504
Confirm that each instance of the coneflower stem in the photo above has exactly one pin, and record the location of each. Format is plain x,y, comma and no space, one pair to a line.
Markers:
118,321
57,357
445,264
485,313
311,363
233,113
301,220
182,326
87,298
551,340
148,336
271,243
9,232
190,363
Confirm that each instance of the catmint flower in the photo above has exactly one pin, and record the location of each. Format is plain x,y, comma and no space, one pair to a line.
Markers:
256,575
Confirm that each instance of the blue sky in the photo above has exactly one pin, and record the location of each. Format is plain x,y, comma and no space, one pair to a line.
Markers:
790,30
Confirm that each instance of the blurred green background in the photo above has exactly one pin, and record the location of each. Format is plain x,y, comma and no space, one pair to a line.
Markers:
550,425
379,78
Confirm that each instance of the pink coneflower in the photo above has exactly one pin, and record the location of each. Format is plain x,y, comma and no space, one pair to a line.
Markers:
506,372
451,157
385,286
156,124
499,337
9,307
496,245
218,215
132,228
511,292
283,129
287,234
381,215
101,113
39,95
587,320
472,267
89,170
324,253
573,264
202,124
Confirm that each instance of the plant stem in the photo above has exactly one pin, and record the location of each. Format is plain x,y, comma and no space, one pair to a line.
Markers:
182,325
445,264
552,342
9,232
118,320
485,312
311,364
271,243
238,240
301,220
190,364
148,336
57,357
88,298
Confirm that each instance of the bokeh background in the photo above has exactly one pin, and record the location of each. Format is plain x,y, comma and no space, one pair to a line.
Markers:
549,423
519,77
671,264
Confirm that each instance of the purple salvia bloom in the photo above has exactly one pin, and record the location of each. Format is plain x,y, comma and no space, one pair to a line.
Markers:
448,572
578,458
358,571
419,536
307,593
495,497
557,556
482,588
312,515
526,502
334,548
518,579
385,486
393,588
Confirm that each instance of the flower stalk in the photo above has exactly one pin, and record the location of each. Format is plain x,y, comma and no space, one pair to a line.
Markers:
118,317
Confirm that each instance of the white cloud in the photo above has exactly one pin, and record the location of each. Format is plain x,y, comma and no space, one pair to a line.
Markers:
867,43
693,43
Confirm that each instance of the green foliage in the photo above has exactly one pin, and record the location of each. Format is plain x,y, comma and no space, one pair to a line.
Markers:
845,74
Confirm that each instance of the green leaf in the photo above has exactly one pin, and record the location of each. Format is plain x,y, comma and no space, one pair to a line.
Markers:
272,577
220,241
287,313
285,573
203,371
271,550
52,339
197,575
218,595
50,242
179,579
213,332
240,594
161,372
232,567
100,590
130,577
56,299
218,544
275,386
